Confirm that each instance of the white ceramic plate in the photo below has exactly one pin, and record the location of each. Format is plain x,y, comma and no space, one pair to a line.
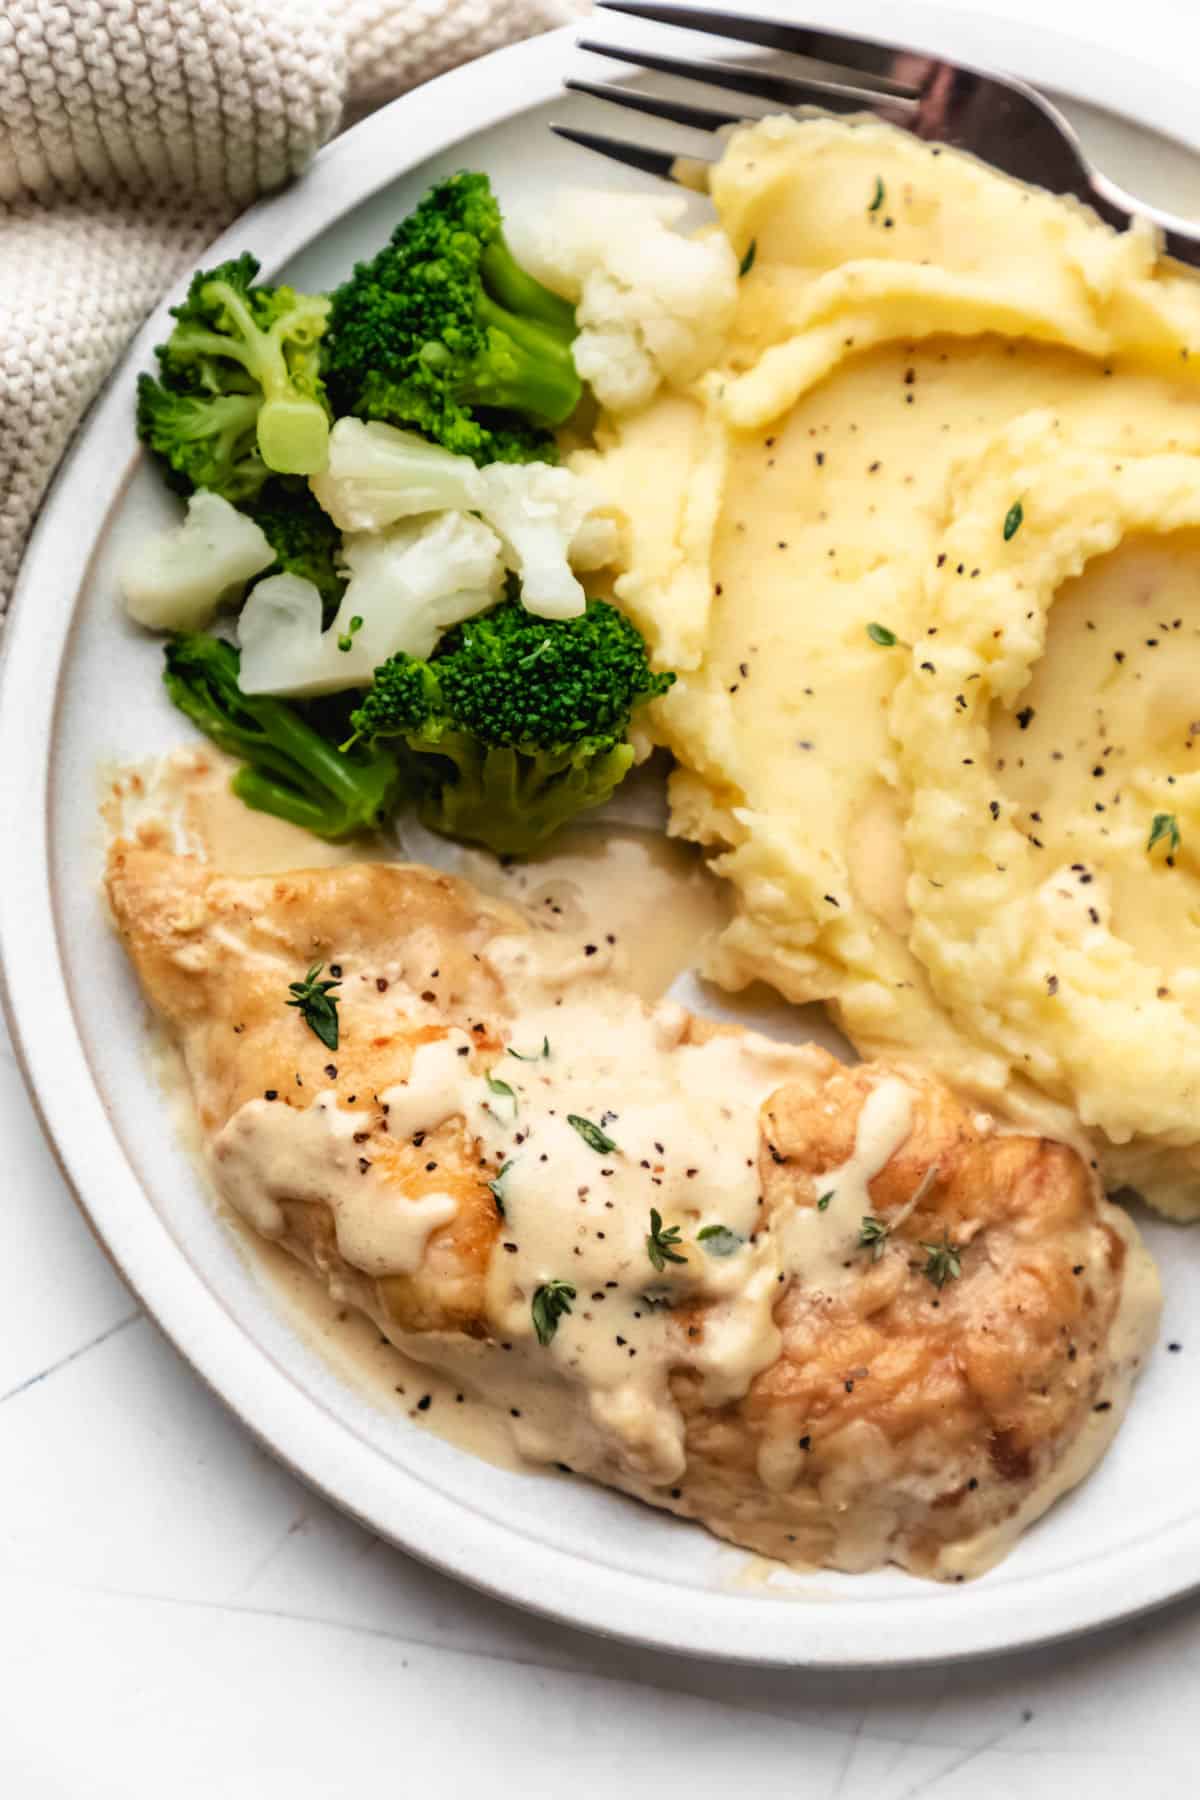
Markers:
81,688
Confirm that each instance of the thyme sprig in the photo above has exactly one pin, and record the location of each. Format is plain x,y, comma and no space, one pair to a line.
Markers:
550,1303
317,1005
593,1137
662,1242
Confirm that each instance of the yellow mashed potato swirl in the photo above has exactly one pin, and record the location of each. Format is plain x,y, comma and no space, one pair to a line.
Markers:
968,413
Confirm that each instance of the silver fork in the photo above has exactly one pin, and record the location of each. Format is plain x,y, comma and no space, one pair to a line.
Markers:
997,118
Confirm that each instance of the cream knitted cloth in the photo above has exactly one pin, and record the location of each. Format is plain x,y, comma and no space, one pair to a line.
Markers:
132,131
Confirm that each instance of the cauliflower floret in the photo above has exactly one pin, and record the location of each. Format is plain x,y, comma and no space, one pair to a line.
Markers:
284,650
175,580
377,474
547,520
651,304
420,578
411,581
407,585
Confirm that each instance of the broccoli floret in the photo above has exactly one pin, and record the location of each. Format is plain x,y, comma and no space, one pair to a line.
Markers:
304,538
443,331
204,440
239,391
516,723
289,768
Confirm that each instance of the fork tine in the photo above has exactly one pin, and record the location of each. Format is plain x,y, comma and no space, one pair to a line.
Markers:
702,118
634,156
865,56
783,90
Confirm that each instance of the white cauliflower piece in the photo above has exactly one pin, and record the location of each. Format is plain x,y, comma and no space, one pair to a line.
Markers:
284,650
377,474
420,578
407,585
175,580
541,514
651,304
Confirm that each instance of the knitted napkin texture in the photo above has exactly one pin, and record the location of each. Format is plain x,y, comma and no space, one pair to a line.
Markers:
132,132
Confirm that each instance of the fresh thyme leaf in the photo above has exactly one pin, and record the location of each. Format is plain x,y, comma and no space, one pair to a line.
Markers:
551,1301
494,1186
661,1242
879,634
718,1240
877,197
823,1202
318,1005
593,1137
500,1087
1165,825
747,262
537,1055
873,1235
1013,520
942,1264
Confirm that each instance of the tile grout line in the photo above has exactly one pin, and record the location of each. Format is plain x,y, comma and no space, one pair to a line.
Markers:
72,1356
751,1708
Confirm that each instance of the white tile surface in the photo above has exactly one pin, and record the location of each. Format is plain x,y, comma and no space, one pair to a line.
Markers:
180,1617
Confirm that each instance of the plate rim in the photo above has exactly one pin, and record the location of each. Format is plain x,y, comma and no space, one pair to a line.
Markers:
283,1418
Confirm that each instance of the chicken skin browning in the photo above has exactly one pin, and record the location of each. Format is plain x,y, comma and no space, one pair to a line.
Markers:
892,1331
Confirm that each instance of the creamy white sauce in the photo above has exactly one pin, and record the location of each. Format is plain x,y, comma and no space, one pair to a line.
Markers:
817,1241
345,1329
269,1153
361,1350
654,895
182,801
684,1123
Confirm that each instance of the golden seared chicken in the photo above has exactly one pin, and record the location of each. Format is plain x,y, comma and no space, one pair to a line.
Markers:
830,1312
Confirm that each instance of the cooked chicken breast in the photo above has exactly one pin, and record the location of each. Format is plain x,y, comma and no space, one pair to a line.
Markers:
829,1312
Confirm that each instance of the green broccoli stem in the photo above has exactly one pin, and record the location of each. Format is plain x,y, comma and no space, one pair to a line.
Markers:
530,370
293,436
289,768
293,432
509,799
292,743
518,292
265,794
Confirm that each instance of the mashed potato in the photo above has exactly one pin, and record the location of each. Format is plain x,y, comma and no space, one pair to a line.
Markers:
968,414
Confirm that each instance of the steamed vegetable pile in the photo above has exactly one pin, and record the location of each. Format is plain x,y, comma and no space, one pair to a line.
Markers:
377,514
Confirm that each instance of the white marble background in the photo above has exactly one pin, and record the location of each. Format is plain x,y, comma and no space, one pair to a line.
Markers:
180,1617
